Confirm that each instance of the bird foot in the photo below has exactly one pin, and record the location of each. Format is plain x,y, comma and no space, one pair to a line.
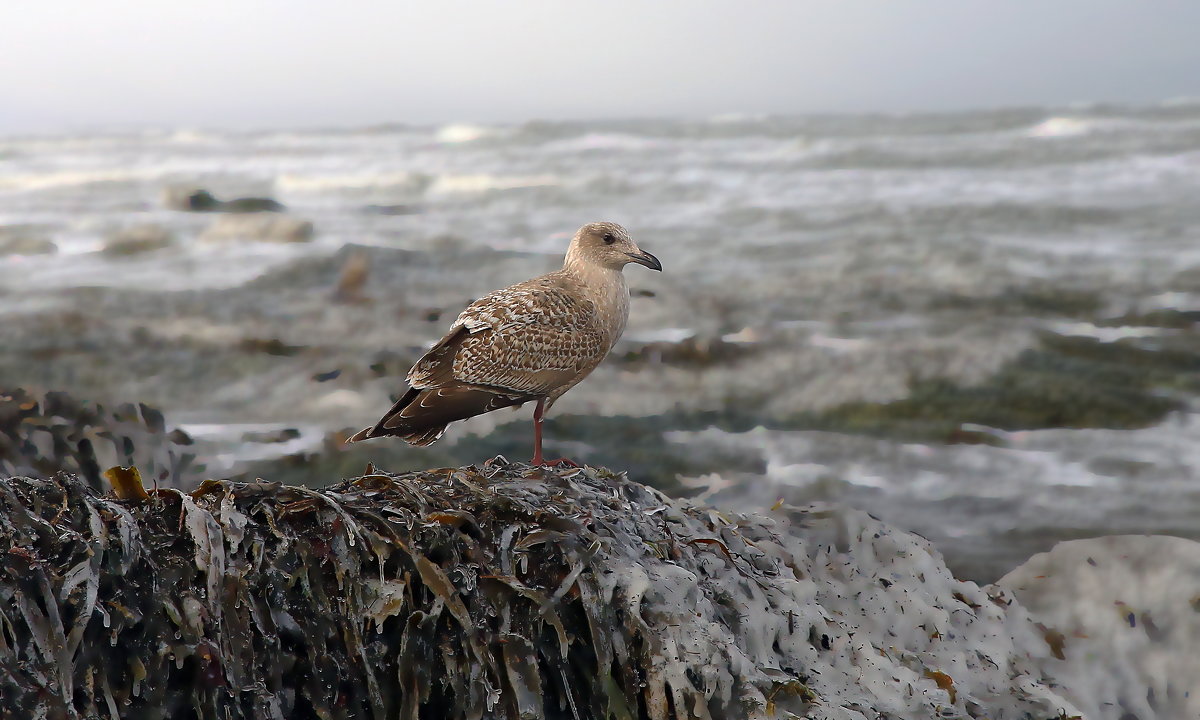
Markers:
556,462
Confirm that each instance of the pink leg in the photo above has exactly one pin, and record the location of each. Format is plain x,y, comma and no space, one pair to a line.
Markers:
538,412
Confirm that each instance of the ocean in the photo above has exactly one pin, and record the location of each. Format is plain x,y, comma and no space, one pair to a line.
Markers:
978,326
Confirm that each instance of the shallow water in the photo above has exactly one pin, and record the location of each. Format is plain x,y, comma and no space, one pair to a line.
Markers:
812,262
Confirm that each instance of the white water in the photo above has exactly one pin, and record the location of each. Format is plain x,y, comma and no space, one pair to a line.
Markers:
844,239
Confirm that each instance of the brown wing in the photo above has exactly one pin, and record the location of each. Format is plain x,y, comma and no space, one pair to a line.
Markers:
510,347
437,398
533,338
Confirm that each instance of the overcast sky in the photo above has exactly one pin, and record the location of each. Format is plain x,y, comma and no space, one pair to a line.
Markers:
87,63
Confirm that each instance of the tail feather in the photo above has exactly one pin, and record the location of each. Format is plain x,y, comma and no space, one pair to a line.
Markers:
421,416
379,429
422,439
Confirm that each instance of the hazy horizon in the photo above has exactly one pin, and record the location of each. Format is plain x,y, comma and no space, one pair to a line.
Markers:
272,64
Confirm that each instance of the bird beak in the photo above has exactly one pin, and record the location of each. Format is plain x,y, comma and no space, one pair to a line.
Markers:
645,258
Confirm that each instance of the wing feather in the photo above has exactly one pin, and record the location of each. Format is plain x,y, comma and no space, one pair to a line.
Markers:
524,342
529,339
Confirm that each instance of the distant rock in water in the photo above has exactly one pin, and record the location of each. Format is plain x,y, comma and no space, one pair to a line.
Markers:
24,240
138,239
1136,593
193,199
353,279
258,227
395,209
692,351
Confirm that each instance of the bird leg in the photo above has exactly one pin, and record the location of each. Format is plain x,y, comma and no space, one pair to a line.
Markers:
539,414
537,430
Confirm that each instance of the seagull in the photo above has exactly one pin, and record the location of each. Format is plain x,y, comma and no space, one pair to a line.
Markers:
529,342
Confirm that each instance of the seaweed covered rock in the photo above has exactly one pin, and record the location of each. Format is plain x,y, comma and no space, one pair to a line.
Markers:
194,199
501,591
43,433
138,239
25,240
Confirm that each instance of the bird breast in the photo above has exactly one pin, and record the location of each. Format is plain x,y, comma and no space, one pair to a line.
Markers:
610,294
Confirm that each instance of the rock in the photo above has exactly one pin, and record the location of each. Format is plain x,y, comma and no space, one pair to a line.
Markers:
1186,280
180,197
353,279
447,244
394,209
271,436
503,591
138,239
1066,381
24,240
258,227
1122,614
193,199
692,351
270,346
1160,318
250,204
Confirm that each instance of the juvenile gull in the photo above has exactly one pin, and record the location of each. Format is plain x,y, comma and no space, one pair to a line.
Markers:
532,341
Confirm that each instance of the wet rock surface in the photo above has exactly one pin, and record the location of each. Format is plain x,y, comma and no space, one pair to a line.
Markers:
138,239
194,199
1139,593
1065,382
258,227
497,590
25,240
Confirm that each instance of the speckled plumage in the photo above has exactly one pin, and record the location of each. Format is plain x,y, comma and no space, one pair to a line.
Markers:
531,341
534,338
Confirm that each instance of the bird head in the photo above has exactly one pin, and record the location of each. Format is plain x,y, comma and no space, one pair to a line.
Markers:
608,245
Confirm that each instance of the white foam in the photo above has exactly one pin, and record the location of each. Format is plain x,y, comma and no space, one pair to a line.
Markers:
67,178
1182,301
661,335
601,141
483,182
226,434
732,118
1058,127
314,183
1107,334
457,133
187,136
838,345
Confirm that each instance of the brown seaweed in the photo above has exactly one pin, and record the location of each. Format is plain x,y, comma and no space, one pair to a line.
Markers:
500,591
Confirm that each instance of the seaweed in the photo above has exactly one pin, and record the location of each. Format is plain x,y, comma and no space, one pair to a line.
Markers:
43,433
1071,382
493,591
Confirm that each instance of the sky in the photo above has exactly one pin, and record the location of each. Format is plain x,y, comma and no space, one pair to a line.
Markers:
73,64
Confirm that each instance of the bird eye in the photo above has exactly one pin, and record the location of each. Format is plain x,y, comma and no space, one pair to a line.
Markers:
609,239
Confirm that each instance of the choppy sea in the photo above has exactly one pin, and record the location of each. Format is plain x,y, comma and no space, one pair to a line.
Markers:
979,326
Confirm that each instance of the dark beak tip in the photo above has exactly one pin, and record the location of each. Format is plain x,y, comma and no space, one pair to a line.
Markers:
648,260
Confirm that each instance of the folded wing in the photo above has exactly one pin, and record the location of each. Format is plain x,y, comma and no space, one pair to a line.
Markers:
519,344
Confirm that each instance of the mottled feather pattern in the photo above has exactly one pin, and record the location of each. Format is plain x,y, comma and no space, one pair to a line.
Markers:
531,341
533,338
